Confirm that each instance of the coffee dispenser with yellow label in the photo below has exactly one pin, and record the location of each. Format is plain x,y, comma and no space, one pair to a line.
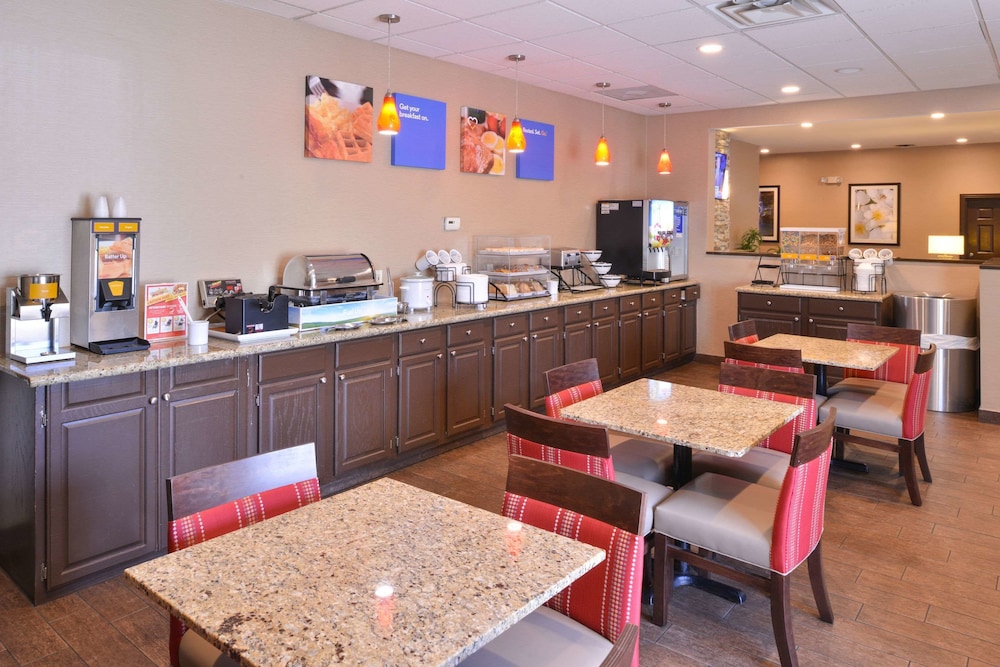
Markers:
104,285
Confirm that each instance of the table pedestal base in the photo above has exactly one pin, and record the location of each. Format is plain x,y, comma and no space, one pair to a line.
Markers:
838,461
688,576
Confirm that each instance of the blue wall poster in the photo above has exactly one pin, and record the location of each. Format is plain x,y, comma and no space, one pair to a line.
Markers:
538,159
421,139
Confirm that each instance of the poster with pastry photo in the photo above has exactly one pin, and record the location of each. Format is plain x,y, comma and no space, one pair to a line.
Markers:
483,142
339,120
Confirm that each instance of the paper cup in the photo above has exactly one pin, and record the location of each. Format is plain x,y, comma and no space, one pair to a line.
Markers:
101,207
198,332
429,259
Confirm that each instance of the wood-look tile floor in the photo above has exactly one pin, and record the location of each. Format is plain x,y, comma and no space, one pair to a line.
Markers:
917,586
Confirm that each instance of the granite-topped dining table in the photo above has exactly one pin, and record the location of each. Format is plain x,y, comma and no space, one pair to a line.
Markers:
309,587
823,352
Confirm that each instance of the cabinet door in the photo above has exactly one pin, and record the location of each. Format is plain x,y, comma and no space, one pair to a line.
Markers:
365,418
421,400
630,350
101,475
468,388
672,332
605,339
689,327
295,404
546,352
510,373
652,340
579,344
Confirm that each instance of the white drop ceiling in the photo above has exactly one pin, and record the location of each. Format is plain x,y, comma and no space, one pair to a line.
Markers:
648,51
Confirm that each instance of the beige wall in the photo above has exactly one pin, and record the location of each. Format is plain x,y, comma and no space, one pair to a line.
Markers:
192,111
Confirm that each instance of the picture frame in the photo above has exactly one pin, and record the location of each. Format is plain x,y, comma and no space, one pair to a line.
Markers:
873,213
769,211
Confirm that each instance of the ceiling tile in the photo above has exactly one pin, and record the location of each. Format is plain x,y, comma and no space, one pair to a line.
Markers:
607,13
532,22
467,9
588,43
673,27
460,37
281,9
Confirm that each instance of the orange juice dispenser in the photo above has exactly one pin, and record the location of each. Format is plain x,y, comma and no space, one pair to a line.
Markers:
104,284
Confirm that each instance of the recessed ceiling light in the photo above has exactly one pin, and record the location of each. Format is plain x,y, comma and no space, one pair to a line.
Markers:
961,140
847,70
937,115
807,124
788,90
710,48
855,146
765,150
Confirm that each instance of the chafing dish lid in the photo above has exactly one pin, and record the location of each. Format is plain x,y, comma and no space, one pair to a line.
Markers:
326,272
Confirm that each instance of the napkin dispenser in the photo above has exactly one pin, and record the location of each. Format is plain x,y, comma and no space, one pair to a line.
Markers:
256,313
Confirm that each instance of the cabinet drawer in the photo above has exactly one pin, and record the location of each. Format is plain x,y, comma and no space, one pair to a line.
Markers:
671,296
424,340
652,300
768,302
630,304
364,351
852,310
605,308
692,293
545,319
98,390
293,363
468,332
510,325
579,313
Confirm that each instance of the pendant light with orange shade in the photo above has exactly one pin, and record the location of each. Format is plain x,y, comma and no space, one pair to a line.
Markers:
388,117
664,166
602,156
515,137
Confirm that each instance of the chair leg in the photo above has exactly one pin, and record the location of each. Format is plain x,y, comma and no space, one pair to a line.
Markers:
663,579
909,472
921,453
815,564
781,619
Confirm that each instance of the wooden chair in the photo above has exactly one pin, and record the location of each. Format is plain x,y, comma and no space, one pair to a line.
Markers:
763,357
766,463
212,501
576,381
893,411
772,530
598,615
899,367
744,331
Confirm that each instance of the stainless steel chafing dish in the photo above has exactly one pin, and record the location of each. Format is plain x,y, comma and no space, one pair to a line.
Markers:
311,280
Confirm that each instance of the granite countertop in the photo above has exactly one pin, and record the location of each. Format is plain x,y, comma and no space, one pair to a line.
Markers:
726,424
842,353
298,589
88,366
814,294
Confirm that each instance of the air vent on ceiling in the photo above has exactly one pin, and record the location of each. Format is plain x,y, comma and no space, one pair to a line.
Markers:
636,93
768,12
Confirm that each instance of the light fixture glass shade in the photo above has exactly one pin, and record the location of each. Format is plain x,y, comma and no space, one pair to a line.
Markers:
515,138
602,156
664,166
388,117
946,246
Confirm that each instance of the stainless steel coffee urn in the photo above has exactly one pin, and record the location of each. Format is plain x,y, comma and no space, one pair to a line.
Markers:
104,285
37,320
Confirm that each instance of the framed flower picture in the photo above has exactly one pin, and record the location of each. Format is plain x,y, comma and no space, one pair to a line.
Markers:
768,210
874,214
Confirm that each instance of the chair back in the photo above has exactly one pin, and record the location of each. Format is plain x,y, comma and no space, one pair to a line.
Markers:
567,443
569,384
899,367
592,510
798,518
213,501
744,332
763,357
917,392
772,385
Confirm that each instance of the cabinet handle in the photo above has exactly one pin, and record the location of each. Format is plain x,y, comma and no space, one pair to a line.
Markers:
441,355
512,324
152,400
546,318
423,340
587,327
769,302
524,338
579,312
534,336
796,318
631,303
811,320
166,397
840,308
453,353
342,376
468,332
597,324
322,380
606,308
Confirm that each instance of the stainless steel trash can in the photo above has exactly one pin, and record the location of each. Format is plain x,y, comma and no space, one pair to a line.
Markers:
952,324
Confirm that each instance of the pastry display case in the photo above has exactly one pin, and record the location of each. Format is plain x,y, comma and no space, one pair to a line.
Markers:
517,266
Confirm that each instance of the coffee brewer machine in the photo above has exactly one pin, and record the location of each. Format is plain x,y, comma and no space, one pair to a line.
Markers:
37,320
104,285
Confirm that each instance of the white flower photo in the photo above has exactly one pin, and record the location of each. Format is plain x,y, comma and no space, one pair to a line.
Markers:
874,213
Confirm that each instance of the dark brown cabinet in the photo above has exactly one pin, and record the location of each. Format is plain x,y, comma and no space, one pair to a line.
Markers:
545,344
365,395
605,339
579,339
294,397
630,338
689,321
422,387
773,313
828,318
511,356
100,475
825,317
652,331
672,325
469,376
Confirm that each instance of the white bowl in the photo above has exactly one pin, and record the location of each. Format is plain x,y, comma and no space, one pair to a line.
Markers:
601,267
611,280
592,255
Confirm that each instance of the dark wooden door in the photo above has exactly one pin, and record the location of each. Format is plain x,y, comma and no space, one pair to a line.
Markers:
981,225
468,388
365,394
630,339
422,386
510,373
672,332
689,328
546,352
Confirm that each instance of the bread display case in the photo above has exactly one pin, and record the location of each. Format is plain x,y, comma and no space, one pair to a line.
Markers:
517,266
814,258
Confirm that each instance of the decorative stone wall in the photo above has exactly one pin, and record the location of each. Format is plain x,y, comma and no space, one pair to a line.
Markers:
721,221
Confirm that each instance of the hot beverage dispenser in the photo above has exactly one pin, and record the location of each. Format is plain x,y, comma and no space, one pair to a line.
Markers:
37,320
104,285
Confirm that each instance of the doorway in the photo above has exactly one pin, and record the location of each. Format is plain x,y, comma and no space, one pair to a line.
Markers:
980,225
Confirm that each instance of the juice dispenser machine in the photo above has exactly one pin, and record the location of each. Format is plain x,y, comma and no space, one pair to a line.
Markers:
104,285
37,320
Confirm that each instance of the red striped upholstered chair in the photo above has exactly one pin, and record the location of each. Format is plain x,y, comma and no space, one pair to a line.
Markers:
766,463
579,380
771,530
894,413
213,501
595,619
899,367
778,359
744,331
